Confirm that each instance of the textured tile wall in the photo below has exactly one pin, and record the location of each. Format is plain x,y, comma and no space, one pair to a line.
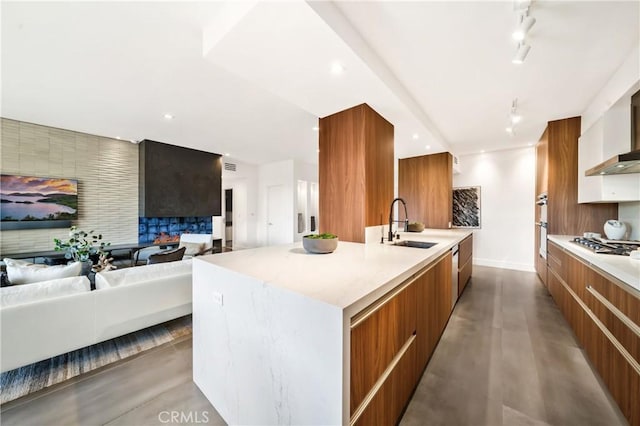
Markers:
107,174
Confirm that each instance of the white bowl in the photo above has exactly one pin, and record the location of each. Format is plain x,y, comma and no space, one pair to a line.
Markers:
614,229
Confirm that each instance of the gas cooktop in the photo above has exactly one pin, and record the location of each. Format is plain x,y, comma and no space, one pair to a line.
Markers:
602,246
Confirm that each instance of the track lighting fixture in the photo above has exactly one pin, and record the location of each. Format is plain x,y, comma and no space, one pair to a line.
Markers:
521,53
526,22
514,118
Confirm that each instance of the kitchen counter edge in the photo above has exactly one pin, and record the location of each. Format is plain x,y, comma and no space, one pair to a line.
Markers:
622,268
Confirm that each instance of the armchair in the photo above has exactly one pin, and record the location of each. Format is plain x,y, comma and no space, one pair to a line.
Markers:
196,244
166,256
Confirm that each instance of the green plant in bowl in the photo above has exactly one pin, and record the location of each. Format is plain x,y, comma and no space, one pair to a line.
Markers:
416,227
325,236
320,243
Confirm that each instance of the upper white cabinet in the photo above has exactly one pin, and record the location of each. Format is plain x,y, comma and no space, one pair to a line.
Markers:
608,136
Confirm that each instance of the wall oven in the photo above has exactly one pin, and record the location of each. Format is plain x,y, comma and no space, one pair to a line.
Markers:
542,202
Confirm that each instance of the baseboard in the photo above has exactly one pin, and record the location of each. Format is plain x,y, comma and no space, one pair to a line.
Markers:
504,265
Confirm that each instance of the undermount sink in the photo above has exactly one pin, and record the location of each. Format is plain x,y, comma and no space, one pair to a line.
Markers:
416,244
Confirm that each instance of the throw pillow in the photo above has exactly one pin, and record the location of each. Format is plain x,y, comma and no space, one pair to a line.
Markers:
21,272
19,294
192,249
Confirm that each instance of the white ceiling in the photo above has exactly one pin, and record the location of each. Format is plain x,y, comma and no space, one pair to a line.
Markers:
252,79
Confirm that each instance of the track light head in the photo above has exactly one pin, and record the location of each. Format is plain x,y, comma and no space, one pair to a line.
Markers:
521,53
526,22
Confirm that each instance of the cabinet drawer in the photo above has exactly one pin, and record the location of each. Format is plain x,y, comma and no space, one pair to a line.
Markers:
377,338
463,275
465,249
556,260
389,401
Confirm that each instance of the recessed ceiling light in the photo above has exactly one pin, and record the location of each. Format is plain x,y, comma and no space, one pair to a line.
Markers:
427,147
515,118
530,144
337,68
482,151
168,116
509,129
226,154
416,136
315,128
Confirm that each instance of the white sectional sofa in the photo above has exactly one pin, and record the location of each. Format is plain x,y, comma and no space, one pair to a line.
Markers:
45,319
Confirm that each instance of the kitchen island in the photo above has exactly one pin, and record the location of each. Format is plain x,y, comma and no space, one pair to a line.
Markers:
274,328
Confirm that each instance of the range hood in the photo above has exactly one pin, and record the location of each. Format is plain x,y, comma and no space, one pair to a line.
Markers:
630,161
618,165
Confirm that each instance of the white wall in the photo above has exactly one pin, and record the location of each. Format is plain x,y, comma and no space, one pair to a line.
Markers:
250,185
244,182
629,213
507,181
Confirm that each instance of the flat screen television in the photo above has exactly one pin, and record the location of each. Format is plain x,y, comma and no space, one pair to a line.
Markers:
29,202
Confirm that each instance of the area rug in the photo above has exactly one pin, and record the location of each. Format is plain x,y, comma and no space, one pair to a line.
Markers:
34,377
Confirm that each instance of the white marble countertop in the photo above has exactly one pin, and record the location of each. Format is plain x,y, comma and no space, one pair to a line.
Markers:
350,278
623,268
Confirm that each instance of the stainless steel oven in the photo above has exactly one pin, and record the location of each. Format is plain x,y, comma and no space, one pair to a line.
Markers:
541,202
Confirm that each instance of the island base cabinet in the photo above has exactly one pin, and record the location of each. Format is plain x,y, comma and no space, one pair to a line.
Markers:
377,338
465,268
392,340
389,401
433,292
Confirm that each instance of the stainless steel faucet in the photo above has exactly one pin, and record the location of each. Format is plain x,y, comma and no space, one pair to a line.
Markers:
406,220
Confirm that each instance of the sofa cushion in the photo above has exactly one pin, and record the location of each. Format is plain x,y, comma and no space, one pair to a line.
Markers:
140,274
21,272
26,293
192,249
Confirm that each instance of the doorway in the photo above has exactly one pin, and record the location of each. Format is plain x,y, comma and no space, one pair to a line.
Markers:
276,215
228,218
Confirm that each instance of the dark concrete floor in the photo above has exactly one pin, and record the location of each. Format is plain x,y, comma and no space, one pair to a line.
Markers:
507,357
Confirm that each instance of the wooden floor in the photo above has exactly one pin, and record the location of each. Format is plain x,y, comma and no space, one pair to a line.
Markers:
507,357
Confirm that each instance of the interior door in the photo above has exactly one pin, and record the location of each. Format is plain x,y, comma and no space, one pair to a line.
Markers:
276,216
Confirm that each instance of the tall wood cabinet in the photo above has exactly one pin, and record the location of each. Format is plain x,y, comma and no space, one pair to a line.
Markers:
557,175
355,171
426,184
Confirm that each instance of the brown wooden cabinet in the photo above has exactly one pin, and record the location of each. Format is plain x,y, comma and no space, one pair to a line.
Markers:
426,184
465,263
557,175
433,292
377,337
355,172
605,317
392,341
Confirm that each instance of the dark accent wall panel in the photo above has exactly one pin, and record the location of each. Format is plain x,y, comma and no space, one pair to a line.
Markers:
178,182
